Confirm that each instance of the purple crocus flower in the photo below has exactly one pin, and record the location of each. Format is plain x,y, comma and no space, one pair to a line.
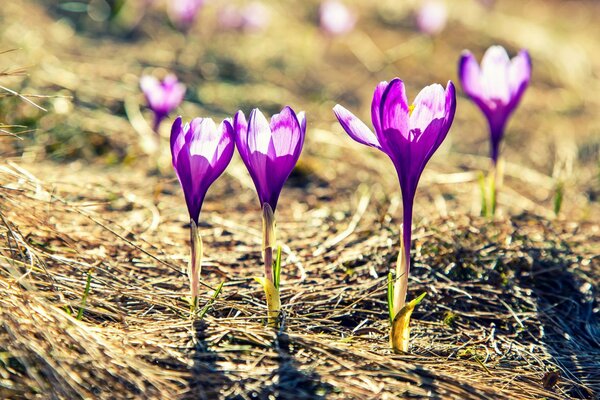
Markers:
162,97
335,18
431,17
200,151
183,13
496,87
409,135
270,150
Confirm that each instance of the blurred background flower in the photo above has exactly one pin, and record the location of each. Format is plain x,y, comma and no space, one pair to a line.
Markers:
432,16
336,18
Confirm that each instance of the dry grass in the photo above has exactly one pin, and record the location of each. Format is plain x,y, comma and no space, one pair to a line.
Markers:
509,302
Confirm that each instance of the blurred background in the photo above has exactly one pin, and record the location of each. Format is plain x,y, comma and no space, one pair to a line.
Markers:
81,61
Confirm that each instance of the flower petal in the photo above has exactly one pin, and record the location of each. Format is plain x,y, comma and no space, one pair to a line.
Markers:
394,113
302,121
519,75
376,106
495,74
177,139
286,132
429,105
469,75
355,127
259,134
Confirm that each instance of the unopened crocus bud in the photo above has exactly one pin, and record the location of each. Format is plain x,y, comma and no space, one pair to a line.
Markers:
183,13
270,150
162,97
496,87
432,16
335,18
200,151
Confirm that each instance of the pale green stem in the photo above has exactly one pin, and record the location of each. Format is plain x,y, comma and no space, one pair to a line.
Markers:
195,265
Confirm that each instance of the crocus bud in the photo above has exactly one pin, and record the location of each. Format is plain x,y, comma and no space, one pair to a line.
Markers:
201,151
183,13
409,135
162,97
431,17
270,150
335,18
496,87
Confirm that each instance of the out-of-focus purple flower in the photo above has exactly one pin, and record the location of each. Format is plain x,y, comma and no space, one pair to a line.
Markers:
335,18
162,97
200,151
409,135
496,87
432,16
183,13
254,17
270,150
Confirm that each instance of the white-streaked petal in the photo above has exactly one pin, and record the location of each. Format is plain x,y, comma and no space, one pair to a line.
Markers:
355,127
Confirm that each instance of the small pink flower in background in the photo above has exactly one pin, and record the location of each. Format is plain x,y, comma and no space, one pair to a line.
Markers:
162,97
183,13
335,18
432,17
254,17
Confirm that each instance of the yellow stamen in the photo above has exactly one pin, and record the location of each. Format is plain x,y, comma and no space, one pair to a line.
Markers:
411,108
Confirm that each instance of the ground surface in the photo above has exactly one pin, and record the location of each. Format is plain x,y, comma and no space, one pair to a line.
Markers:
512,304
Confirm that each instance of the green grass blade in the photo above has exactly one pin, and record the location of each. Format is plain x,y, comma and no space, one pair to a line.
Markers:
277,268
390,296
86,292
211,301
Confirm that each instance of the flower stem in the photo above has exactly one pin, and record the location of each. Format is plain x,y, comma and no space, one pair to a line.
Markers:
269,240
195,265
269,283
403,262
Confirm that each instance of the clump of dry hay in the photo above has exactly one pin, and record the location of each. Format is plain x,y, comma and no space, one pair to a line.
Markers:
508,303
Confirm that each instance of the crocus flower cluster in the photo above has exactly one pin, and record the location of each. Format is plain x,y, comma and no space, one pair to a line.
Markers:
409,135
335,18
270,149
162,97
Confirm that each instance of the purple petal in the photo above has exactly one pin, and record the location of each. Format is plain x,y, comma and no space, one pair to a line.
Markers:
495,75
376,106
177,139
469,75
302,121
259,134
430,104
286,132
519,76
355,127
394,115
